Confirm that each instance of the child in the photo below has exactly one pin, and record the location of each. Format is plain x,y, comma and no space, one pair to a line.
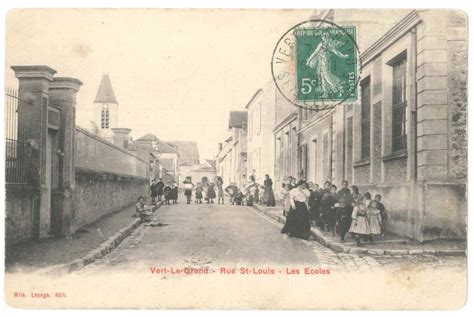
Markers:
232,190
153,191
174,193
327,209
188,190
220,190
379,205
314,206
360,225
375,220
211,193
198,199
167,192
238,196
285,193
142,210
343,216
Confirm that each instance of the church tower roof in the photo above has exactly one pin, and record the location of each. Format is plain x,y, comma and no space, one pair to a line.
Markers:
105,94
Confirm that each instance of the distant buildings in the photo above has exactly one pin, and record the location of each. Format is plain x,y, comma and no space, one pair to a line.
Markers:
231,159
170,160
260,144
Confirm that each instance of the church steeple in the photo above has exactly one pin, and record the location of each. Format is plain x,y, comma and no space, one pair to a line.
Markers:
106,108
105,94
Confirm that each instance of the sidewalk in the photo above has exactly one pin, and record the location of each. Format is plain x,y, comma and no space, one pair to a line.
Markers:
389,244
63,255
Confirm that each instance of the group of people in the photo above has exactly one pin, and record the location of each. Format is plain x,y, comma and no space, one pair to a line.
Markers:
207,190
203,190
251,192
338,212
248,194
158,189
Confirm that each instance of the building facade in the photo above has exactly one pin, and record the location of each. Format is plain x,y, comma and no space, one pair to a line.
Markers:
285,138
188,157
163,157
231,159
405,138
261,121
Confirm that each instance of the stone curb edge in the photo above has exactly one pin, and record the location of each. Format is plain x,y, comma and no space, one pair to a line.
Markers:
103,249
338,247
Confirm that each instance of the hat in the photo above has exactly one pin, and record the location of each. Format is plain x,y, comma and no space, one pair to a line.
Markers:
301,182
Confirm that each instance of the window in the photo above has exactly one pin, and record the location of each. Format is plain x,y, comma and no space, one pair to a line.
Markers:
279,153
315,146
250,161
399,103
104,122
258,162
365,119
287,163
258,118
326,162
250,125
303,161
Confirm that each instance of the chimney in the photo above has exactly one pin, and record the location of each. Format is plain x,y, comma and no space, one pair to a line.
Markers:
219,146
120,137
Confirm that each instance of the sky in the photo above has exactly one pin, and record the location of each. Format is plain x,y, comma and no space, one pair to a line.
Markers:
175,73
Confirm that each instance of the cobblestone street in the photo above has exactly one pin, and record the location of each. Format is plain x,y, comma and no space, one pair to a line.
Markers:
209,236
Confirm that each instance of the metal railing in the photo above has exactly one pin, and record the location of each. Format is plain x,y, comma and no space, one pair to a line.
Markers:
95,153
17,146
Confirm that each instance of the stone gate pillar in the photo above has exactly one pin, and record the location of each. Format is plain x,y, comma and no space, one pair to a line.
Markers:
33,109
62,94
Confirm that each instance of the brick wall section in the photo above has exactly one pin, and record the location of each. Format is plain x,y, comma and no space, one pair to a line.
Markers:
395,171
98,194
457,95
362,175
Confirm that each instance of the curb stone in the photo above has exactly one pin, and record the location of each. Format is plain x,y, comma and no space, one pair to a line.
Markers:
340,248
103,249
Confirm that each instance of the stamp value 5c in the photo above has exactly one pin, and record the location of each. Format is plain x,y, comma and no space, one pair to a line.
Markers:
326,64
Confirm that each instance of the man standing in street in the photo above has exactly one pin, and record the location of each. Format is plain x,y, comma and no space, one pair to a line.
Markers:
159,188
153,192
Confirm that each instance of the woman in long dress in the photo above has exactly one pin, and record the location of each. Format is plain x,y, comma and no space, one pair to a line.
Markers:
298,221
320,60
268,196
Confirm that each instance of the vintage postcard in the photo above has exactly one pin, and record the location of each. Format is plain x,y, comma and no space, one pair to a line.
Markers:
236,158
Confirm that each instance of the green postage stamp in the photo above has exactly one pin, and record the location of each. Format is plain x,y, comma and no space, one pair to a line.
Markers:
326,64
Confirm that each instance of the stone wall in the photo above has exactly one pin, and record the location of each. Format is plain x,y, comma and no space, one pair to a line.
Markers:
98,194
396,199
445,211
19,214
424,211
457,95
